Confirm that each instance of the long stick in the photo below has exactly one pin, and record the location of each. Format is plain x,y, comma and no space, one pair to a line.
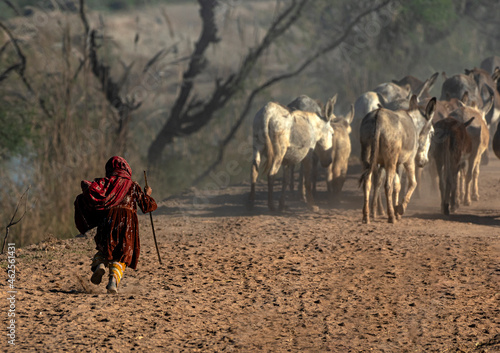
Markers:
152,224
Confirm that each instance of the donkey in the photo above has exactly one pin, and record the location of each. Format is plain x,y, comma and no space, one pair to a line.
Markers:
450,144
456,86
341,150
306,104
479,135
336,172
486,83
392,91
417,85
390,139
287,137
393,95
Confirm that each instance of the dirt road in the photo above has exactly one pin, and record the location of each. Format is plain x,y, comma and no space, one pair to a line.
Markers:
241,281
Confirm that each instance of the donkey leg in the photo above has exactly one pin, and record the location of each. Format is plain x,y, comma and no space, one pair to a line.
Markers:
270,186
453,191
447,192
254,173
307,165
412,184
314,173
286,173
418,175
467,183
389,186
461,186
397,189
441,173
366,194
301,186
377,207
376,180
475,180
337,182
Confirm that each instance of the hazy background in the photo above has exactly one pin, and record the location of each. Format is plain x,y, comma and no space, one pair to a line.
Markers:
63,129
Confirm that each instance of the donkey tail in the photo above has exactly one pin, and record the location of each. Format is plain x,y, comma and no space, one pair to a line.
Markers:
269,151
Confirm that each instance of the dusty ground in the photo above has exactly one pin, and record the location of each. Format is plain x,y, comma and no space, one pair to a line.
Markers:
233,280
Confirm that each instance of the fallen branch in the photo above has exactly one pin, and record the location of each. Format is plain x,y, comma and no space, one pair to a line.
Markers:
12,222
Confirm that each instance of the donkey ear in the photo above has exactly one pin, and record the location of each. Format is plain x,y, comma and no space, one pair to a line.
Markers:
427,85
330,107
432,80
350,116
334,99
496,74
430,109
489,103
413,102
468,122
465,98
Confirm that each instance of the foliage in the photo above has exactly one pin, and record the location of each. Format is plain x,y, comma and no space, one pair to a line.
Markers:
436,17
26,7
15,131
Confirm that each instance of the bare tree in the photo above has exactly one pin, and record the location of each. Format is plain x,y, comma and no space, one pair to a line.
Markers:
20,68
111,88
190,114
335,43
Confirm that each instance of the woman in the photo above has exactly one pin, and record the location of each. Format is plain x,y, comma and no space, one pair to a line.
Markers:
110,204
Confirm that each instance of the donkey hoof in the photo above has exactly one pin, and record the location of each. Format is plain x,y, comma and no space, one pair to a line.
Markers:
400,210
391,220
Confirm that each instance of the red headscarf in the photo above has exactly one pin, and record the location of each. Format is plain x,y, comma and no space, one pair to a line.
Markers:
104,193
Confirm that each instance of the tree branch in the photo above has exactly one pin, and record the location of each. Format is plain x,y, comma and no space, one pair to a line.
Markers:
187,118
225,91
333,45
12,222
109,87
21,67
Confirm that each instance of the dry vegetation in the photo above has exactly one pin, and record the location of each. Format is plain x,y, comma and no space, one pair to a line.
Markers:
70,129
231,280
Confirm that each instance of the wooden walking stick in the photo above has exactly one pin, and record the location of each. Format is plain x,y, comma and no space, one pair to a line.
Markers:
152,224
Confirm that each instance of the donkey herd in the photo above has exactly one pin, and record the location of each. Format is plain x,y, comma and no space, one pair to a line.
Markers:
397,130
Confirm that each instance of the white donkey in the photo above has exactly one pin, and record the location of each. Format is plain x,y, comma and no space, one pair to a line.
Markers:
287,137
